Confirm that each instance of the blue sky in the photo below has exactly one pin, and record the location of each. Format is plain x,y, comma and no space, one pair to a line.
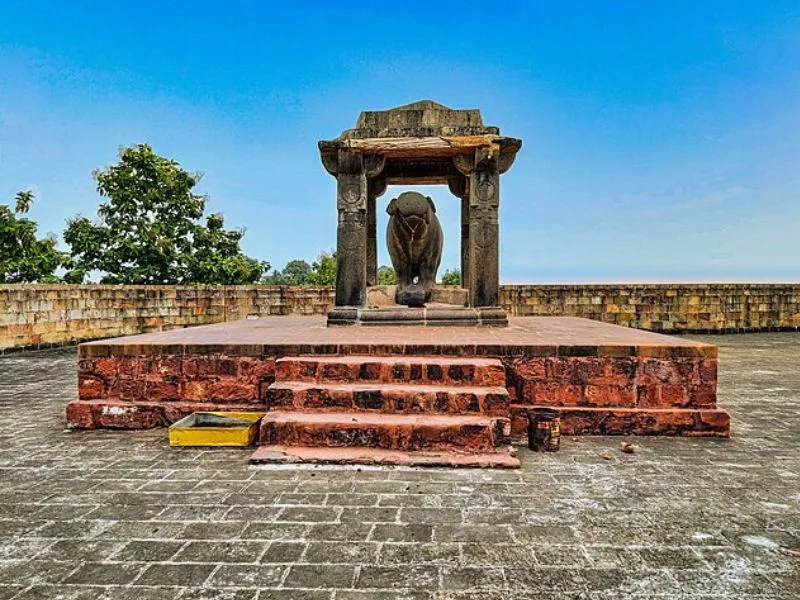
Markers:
661,140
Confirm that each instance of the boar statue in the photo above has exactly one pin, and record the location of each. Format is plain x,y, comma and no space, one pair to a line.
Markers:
415,241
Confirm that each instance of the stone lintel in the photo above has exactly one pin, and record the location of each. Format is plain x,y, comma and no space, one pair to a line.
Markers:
423,146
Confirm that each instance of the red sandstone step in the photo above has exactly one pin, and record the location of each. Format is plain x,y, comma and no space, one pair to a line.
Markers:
430,370
387,398
389,432
502,458
631,421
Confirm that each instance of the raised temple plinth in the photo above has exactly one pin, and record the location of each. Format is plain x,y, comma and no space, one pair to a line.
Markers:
421,143
409,395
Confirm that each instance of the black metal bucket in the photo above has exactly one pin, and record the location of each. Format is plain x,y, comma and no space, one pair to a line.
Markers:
544,430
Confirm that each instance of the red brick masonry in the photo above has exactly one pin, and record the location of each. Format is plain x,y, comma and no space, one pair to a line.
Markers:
647,394
605,379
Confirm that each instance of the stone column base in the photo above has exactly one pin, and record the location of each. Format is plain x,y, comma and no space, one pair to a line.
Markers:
426,316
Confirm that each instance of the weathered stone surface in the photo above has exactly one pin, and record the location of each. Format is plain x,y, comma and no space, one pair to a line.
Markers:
352,172
503,459
412,295
426,143
115,414
423,411
36,315
405,374
482,170
428,433
623,382
684,518
381,295
667,308
415,240
449,294
419,119
430,316
633,421
388,398
418,370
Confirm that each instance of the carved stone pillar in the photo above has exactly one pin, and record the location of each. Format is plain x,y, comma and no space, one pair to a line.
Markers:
465,242
352,171
376,186
483,268
372,241
459,187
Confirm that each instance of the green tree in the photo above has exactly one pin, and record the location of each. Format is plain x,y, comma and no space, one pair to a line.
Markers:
296,272
323,270
150,229
217,257
24,258
386,275
451,277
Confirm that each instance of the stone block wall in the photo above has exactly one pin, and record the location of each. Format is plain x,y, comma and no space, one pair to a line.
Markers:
43,315
666,308
671,394
34,316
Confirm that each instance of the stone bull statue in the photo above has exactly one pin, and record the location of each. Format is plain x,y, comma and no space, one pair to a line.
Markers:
415,240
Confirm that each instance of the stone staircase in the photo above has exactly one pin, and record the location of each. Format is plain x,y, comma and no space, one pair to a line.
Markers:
403,410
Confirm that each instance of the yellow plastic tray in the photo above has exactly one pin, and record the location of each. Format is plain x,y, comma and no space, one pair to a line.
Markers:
215,429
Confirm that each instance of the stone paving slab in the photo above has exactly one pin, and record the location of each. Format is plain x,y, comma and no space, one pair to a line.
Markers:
104,514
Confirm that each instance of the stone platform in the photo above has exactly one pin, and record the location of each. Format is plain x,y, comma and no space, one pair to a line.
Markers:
404,389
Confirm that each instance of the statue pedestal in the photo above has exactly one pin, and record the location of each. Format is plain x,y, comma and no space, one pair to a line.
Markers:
382,296
441,315
448,306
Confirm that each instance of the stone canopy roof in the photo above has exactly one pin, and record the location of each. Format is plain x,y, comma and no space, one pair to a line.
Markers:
419,119
419,130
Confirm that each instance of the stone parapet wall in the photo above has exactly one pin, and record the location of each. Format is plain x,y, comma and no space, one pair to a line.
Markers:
666,308
42,315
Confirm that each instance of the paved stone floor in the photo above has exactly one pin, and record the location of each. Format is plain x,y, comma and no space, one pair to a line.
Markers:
121,515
